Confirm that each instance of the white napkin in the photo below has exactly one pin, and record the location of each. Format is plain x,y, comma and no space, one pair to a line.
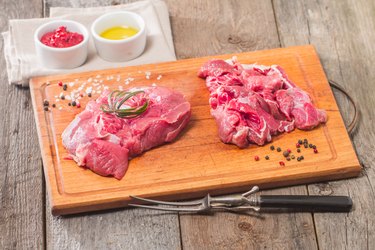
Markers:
21,60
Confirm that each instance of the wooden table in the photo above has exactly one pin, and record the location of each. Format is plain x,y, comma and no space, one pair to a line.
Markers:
343,34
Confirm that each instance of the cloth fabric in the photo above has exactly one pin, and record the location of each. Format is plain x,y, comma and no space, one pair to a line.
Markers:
22,62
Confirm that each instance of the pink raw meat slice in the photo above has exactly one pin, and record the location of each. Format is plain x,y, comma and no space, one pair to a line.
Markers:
104,142
253,102
296,104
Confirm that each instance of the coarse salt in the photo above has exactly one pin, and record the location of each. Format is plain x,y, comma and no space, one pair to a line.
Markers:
159,77
89,80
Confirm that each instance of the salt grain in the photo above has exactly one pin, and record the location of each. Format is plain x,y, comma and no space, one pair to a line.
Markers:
159,77
89,80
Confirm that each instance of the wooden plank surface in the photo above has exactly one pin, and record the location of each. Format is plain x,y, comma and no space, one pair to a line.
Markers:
340,30
311,21
21,178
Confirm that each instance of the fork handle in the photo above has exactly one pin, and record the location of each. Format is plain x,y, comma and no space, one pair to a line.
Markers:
307,203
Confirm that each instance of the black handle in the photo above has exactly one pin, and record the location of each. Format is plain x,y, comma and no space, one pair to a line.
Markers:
307,203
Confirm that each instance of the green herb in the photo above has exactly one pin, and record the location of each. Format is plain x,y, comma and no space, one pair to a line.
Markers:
117,98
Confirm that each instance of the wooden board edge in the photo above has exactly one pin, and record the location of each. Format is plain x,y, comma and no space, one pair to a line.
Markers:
40,79
46,159
62,208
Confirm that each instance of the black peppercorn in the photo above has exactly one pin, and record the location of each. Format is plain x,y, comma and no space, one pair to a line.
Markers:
65,87
74,103
278,149
267,157
286,153
272,147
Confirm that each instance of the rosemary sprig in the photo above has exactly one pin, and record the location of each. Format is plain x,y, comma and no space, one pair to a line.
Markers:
117,98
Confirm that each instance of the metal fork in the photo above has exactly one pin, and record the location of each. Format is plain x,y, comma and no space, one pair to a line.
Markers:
248,201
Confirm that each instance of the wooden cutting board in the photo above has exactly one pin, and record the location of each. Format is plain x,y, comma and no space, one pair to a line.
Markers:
197,162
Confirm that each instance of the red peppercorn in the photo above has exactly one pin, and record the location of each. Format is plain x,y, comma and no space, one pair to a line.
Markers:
256,158
315,150
60,84
282,163
81,95
298,145
78,105
289,150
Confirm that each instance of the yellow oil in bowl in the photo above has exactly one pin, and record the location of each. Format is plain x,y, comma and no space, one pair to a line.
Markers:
119,33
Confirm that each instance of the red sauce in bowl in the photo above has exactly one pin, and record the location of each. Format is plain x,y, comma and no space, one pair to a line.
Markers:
61,38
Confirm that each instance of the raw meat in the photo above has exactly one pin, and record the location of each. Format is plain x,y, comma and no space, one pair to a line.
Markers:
104,142
251,103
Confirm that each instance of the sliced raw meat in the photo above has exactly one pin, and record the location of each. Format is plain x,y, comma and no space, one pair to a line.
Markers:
104,142
296,104
253,102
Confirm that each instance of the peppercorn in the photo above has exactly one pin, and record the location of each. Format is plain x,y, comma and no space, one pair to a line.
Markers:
74,103
65,87
298,150
78,105
298,145
69,104
256,158
302,158
60,84
286,153
300,141
278,149
282,163
272,147
290,151
306,145
89,94
310,145
53,105
267,157
62,97
315,151
298,158
45,108
288,158
292,157
314,147
305,141
46,103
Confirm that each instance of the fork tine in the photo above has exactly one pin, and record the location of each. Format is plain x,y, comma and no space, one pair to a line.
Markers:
172,209
183,203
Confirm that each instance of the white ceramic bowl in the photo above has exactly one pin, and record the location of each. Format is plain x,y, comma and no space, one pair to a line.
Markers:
61,58
119,50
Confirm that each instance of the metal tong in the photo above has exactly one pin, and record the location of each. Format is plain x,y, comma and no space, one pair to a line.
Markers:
248,201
